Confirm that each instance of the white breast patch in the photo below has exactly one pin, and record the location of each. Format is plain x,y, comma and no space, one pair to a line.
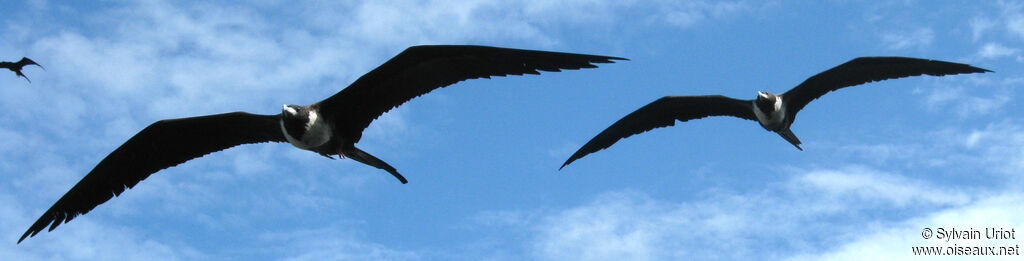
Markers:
317,133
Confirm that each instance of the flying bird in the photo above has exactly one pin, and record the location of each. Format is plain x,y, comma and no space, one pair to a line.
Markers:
16,66
775,112
329,127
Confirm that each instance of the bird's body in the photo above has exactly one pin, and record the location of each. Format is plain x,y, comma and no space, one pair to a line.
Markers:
774,112
304,128
17,66
329,127
770,112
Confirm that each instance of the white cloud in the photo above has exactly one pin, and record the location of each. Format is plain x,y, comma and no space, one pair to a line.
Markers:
563,151
388,22
84,240
966,103
894,241
533,21
688,13
1016,25
391,127
787,219
203,56
1014,17
783,219
329,244
980,26
992,152
177,60
920,38
862,184
1011,18
1001,145
174,61
615,227
996,50
882,153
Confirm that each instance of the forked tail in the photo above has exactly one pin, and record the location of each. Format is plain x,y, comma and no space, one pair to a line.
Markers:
790,137
18,73
361,156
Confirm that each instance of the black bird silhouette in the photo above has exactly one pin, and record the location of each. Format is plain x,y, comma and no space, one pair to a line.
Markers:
16,66
331,126
775,112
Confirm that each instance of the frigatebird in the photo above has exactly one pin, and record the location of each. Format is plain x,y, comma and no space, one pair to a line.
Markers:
329,127
16,66
775,112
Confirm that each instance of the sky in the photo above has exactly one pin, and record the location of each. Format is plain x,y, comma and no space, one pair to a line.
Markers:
881,163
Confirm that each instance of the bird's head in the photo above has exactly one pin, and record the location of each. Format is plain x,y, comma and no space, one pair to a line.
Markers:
766,95
296,119
766,101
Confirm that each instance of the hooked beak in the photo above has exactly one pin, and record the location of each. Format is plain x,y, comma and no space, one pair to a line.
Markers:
289,110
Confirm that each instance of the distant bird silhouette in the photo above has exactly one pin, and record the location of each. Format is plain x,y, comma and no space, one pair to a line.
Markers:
775,112
16,66
331,126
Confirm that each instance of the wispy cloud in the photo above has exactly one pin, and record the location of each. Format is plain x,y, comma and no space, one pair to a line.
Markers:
918,38
980,26
965,103
784,218
1000,145
992,151
996,50
894,241
688,13
1014,17
179,59
862,184
329,244
85,239
205,55
391,127
633,226
563,151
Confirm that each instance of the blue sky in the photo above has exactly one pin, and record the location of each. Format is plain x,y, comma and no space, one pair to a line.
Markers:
881,162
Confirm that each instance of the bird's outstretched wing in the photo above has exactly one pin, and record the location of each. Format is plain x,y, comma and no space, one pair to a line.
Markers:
163,144
26,61
864,70
421,69
665,112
